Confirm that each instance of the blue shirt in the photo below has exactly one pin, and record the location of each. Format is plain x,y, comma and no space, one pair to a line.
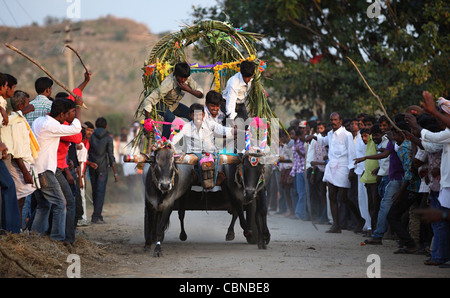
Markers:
410,175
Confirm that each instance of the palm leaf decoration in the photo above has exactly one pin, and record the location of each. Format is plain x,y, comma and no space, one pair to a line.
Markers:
219,41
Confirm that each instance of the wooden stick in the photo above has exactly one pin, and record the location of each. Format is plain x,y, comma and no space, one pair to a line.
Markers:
76,53
377,97
43,69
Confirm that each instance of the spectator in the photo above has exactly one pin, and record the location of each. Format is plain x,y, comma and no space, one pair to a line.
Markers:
12,82
408,193
338,170
440,250
383,169
42,104
101,152
361,148
318,187
48,130
369,178
82,155
395,181
19,138
352,192
9,209
3,103
298,172
65,177
286,181
80,198
311,127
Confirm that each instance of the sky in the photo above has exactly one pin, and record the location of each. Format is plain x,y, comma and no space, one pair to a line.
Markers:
158,15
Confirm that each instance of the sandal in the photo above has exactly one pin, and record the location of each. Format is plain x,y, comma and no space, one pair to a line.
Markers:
432,263
406,250
373,241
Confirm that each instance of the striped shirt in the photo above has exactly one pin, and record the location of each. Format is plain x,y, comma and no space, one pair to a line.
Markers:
42,106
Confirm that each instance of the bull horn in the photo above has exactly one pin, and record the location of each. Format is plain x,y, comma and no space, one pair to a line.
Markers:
136,158
229,159
187,159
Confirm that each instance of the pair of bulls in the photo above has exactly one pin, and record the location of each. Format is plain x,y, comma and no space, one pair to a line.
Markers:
169,179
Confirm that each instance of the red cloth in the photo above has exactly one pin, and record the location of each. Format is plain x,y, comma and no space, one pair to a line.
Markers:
63,148
316,59
87,144
77,92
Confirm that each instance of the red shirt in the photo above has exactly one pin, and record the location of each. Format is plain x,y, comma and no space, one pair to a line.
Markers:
63,148
64,142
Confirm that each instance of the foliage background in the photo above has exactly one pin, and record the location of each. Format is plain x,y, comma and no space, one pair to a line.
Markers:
401,53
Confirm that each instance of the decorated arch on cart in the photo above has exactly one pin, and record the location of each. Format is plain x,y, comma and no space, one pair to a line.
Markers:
225,47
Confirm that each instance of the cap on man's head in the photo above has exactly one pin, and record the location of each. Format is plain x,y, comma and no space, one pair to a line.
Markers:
302,123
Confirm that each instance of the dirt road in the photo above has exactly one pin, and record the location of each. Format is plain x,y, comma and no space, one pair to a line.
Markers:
296,250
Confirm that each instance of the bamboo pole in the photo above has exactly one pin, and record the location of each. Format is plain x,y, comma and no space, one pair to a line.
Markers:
43,69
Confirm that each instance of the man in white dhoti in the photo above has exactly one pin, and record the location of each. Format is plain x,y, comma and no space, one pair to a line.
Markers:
338,169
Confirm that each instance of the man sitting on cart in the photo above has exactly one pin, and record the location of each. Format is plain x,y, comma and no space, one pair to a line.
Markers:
198,138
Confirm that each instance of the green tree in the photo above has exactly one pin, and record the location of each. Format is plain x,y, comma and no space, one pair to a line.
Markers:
401,52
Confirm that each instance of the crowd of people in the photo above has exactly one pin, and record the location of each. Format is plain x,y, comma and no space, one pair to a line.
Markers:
375,176
47,153
386,179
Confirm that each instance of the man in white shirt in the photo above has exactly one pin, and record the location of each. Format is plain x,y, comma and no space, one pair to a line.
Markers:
215,119
3,103
48,130
237,90
341,154
198,136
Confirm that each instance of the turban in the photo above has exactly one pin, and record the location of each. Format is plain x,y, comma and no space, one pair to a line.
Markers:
444,104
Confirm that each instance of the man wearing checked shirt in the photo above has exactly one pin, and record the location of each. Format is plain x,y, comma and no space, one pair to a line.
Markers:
42,104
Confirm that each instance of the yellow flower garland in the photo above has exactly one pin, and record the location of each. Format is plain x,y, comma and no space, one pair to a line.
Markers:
231,65
163,69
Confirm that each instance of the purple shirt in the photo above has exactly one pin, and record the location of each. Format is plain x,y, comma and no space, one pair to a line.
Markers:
299,161
395,165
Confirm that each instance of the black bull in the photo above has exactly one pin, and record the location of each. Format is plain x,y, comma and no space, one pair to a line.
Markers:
167,181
